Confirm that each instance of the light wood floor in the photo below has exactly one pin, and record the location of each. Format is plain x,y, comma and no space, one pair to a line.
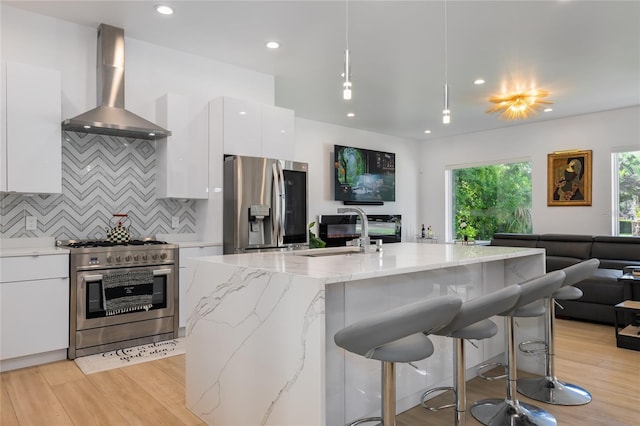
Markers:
153,393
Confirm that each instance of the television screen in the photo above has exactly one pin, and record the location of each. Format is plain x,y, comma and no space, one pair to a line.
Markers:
364,175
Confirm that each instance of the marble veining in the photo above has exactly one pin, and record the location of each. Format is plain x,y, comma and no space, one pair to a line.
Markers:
260,347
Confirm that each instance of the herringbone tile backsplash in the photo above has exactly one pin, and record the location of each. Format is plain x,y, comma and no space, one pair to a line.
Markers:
101,175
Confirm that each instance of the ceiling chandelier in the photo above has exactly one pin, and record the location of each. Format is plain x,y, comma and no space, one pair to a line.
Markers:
519,105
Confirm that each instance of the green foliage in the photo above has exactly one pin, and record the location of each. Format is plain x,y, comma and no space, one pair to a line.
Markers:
629,184
315,242
351,164
492,199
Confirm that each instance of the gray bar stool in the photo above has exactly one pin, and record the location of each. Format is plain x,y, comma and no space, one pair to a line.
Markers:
548,388
509,411
471,322
397,335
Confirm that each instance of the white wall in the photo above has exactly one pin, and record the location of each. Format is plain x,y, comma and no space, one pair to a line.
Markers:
603,133
314,145
151,70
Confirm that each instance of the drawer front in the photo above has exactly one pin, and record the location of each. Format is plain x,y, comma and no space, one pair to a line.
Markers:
29,268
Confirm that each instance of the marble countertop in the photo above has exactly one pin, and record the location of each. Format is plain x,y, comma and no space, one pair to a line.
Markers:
398,258
186,240
13,247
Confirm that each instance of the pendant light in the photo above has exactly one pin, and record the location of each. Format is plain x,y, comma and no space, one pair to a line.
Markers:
446,113
346,85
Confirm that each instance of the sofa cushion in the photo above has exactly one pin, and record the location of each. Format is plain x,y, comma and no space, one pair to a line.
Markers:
560,262
566,245
616,252
602,287
514,240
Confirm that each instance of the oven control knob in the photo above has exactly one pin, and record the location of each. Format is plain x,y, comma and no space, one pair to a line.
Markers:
163,256
109,259
136,258
144,257
118,259
154,256
127,259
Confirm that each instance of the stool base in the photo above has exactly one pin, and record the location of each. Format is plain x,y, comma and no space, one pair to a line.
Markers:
553,391
502,412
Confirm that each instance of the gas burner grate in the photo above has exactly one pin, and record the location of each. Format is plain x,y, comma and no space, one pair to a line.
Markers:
107,243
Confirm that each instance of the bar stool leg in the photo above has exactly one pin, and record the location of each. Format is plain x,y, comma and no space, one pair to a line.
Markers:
388,393
548,388
460,388
509,411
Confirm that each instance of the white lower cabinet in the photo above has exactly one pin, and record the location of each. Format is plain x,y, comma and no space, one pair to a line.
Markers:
185,253
34,305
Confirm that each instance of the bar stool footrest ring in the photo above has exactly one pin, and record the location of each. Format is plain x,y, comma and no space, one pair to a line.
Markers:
533,346
423,398
482,375
366,420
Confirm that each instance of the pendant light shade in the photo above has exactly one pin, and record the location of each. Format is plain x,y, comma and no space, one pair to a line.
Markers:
346,86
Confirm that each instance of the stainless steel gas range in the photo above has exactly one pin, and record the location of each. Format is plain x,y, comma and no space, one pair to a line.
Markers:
122,294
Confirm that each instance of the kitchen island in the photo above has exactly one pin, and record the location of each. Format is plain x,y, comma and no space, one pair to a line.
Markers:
259,337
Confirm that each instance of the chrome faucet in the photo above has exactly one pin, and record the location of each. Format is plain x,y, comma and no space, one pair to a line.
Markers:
363,242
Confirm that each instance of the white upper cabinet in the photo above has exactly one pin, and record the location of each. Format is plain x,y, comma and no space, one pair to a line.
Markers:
253,129
241,127
32,147
278,132
183,158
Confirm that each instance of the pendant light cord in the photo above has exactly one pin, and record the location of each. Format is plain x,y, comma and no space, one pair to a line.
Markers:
346,20
446,45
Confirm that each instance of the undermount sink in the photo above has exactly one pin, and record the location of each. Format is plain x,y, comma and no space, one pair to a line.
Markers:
333,251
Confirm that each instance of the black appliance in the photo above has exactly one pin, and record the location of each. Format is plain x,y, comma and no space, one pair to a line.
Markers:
336,230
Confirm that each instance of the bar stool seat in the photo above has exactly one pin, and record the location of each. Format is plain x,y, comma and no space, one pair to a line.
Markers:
397,335
509,411
548,388
471,322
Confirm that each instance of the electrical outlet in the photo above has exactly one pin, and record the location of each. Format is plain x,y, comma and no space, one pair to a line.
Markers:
175,222
31,223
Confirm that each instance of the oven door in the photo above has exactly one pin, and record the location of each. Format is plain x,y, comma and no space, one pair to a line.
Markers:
90,311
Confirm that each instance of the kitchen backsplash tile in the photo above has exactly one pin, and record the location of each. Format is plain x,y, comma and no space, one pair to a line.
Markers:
101,175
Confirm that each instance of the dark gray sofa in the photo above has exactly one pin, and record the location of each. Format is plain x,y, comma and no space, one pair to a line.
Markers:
602,290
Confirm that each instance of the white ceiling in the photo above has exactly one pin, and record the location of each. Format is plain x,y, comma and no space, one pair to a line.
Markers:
586,53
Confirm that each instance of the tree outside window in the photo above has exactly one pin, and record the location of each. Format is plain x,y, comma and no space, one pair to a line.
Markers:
627,165
490,199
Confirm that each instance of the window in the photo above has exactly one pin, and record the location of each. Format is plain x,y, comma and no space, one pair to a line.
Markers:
626,193
490,199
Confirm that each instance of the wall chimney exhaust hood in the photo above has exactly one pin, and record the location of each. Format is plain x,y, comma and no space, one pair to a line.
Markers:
110,117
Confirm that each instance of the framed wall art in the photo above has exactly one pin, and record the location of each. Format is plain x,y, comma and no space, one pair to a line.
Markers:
569,178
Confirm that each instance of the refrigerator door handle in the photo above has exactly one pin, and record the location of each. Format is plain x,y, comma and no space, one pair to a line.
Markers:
280,202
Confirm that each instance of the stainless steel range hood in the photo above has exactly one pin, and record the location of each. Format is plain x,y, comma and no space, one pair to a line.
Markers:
110,117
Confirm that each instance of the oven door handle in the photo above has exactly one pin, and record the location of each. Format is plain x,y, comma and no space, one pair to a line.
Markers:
98,277
157,272
92,278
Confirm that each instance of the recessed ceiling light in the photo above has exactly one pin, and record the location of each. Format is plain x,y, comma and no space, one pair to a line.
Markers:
272,44
427,131
164,9
548,109
243,113
479,81
351,114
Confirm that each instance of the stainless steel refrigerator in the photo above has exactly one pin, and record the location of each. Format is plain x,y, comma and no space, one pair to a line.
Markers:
265,204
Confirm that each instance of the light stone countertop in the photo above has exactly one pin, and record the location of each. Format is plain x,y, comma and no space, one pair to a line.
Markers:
14,247
397,258
186,240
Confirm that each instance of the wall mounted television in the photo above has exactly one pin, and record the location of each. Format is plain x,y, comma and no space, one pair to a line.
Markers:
364,176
